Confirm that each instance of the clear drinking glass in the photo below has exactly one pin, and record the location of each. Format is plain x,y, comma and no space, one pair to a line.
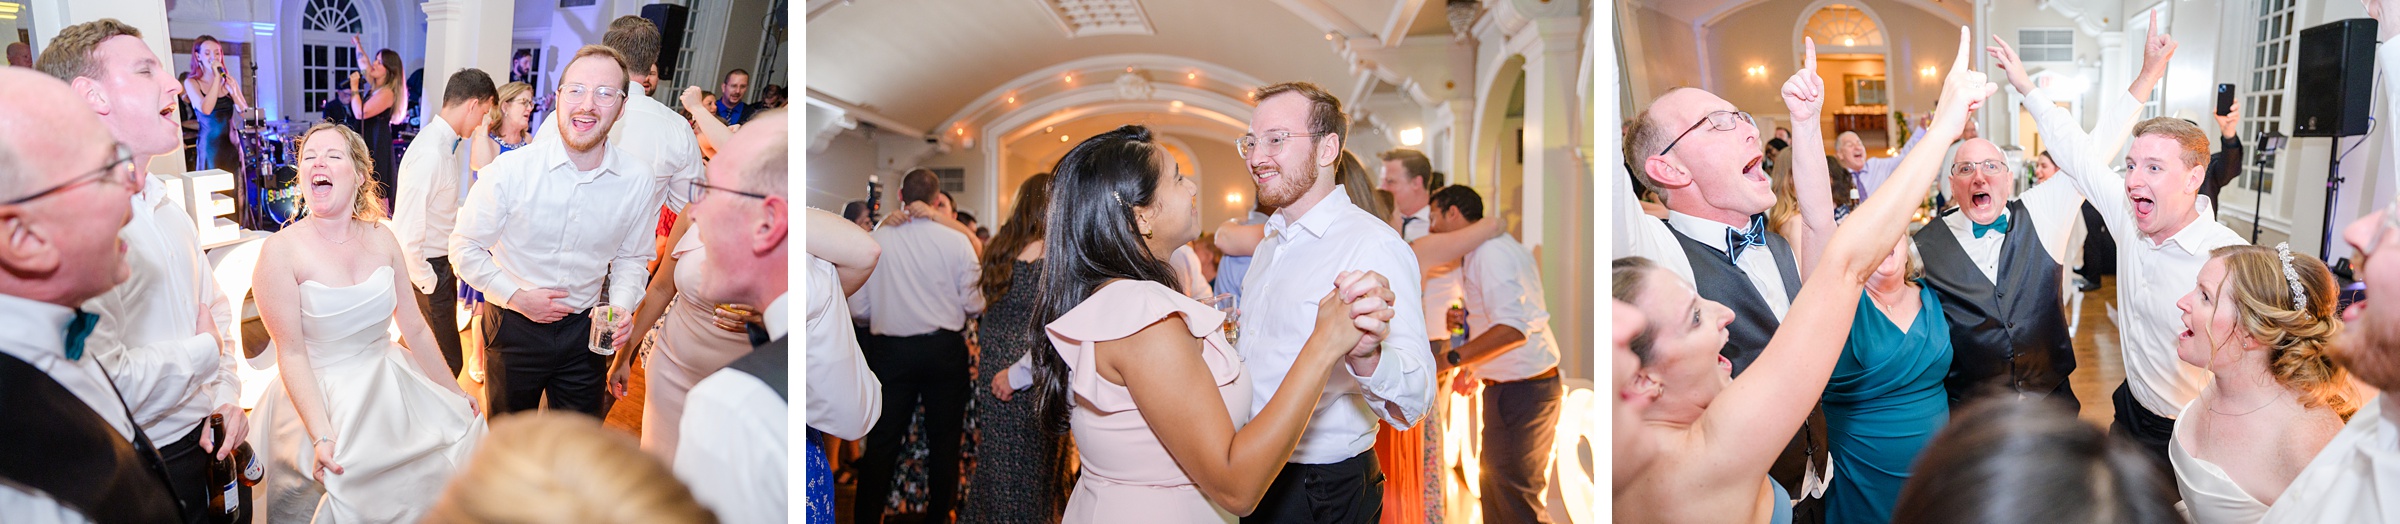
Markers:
1225,302
604,332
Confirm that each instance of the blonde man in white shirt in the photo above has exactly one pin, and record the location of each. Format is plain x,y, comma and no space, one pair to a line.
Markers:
161,333
1293,148
736,438
427,208
1512,356
543,231
2357,476
653,136
2166,231
63,187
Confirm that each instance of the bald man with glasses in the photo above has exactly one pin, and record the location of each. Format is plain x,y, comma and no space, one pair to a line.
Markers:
1997,263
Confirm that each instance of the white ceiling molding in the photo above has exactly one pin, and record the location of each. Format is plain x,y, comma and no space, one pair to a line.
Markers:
1317,13
1081,18
862,113
1729,8
1396,29
2087,19
992,104
825,122
1082,103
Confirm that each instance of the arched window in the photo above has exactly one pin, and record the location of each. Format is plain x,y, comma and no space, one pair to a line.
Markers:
326,57
1841,25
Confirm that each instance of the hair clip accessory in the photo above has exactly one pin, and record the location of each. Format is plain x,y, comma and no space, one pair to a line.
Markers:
2292,277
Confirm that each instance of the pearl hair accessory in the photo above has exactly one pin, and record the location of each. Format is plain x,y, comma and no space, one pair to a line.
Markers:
2292,277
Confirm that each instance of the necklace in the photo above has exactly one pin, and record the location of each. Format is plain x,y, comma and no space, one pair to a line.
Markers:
2212,407
1879,302
346,241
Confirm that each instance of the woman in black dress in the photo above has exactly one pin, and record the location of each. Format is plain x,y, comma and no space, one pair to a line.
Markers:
1018,472
377,113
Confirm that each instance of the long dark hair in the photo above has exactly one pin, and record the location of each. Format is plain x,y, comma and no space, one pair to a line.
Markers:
389,60
2030,460
1093,239
1024,227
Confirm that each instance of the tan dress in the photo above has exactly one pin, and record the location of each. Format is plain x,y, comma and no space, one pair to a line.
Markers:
689,347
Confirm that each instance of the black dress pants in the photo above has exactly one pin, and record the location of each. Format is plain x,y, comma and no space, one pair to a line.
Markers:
2138,425
1346,492
441,311
525,360
932,370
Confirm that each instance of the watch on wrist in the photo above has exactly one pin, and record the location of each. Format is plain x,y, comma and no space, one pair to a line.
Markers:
1453,357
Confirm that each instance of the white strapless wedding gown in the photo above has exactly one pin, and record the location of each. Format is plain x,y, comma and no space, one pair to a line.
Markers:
401,435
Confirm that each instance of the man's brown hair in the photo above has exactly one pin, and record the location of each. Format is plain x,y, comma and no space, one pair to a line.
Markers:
636,40
1324,111
601,51
1414,162
919,185
70,54
2185,134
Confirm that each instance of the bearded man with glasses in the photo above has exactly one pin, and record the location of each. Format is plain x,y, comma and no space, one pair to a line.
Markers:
1704,156
547,227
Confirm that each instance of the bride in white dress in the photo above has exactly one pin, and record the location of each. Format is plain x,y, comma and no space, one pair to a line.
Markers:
386,425
2259,319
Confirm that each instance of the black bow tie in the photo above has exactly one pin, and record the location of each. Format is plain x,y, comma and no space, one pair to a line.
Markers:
1737,240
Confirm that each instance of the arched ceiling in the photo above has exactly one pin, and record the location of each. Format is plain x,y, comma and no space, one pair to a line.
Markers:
918,62
1708,11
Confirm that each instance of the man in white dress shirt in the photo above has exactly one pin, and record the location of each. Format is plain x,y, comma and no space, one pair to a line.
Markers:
546,228
2356,478
2166,231
427,208
738,443
161,332
920,297
652,136
1293,148
1510,350
63,188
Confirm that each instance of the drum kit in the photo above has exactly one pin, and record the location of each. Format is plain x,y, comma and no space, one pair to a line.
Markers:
264,190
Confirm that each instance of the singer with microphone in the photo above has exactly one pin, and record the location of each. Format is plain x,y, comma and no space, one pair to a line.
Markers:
218,103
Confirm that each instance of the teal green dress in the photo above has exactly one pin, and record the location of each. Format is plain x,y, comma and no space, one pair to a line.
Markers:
1883,404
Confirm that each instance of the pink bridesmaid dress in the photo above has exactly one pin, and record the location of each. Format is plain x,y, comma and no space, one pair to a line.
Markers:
1127,474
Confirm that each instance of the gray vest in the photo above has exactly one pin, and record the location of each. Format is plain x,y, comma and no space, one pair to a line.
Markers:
2008,337
1719,280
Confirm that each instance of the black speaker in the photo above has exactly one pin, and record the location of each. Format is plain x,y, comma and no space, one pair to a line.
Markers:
2336,79
671,20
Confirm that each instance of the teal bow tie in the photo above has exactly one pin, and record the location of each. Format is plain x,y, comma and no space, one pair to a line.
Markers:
77,330
2000,224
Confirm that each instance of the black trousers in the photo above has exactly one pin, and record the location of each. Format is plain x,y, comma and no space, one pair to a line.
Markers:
1520,421
524,359
2138,425
930,370
187,472
1346,492
441,311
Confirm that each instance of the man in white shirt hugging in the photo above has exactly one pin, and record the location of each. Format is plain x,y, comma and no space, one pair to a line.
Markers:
1512,356
1292,149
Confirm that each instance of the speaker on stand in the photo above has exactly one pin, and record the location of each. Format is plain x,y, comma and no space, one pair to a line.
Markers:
2333,95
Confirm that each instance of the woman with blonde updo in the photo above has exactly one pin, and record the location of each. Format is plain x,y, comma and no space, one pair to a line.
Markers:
562,467
2260,320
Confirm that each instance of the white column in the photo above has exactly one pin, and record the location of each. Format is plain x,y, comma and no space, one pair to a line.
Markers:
49,16
1555,181
461,34
266,52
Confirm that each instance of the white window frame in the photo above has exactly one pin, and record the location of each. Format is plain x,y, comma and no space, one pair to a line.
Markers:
2266,84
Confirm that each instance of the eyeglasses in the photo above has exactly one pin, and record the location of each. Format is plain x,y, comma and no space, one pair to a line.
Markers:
118,171
1967,169
575,93
1717,121
1268,144
693,190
